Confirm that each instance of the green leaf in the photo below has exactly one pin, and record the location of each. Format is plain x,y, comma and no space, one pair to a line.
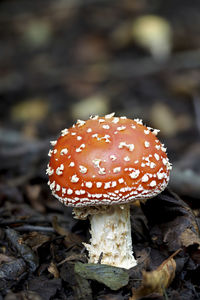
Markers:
113,277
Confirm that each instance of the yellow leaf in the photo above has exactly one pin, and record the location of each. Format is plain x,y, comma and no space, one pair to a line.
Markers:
53,270
158,280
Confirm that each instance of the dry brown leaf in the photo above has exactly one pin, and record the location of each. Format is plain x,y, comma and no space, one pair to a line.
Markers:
53,270
73,257
189,237
5,259
35,239
70,238
158,280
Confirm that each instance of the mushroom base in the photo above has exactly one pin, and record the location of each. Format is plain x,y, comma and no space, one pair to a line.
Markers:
111,242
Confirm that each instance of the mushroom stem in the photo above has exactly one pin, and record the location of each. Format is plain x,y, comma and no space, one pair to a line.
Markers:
111,238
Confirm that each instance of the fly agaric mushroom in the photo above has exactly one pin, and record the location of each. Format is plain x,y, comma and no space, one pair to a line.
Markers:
101,166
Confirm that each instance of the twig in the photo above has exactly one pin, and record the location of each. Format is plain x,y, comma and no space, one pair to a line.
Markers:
100,258
27,228
25,221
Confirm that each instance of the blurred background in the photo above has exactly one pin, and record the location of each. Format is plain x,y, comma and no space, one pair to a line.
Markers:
67,59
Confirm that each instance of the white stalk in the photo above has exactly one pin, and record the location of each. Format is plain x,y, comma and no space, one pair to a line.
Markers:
111,238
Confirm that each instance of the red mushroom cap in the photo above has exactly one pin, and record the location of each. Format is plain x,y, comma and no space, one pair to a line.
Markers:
107,160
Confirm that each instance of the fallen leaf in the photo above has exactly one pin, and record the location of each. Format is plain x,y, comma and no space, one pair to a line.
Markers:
113,277
95,105
175,226
46,288
53,270
154,34
35,239
30,110
4,258
158,280
80,286
70,238
189,237
73,257
22,249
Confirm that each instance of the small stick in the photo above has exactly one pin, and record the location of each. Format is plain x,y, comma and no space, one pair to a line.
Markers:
100,258
34,228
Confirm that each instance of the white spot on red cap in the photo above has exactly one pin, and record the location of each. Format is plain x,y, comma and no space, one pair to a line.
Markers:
74,178
94,117
165,161
83,169
134,174
152,183
146,131
146,144
107,185
49,171
99,184
113,157
50,153
124,144
88,184
72,164
106,127
127,158
80,123
96,163
114,183
120,180
160,175
57,187
52,185
120,128
115,120
64,132
155,131
53,143
105,137
59,170
117,170
69,191
82,146
138,121
109,116
145,178
152,165
64,151
163,149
